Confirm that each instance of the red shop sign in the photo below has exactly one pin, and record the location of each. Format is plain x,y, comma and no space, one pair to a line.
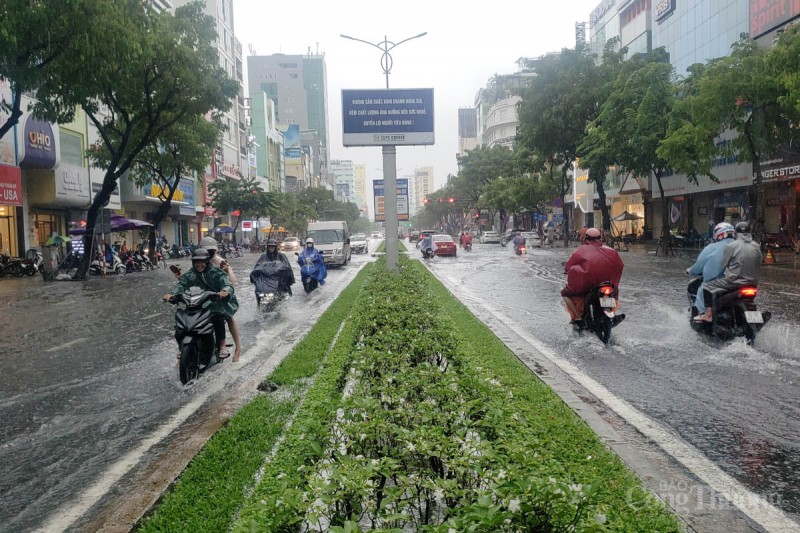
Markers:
10,185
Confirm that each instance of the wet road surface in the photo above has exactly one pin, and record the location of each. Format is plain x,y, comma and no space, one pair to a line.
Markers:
736,404
88,373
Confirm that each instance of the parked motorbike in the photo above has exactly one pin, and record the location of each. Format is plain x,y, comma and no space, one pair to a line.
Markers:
114,267
272,280
194,333
734,312
33,263
599,314
11,265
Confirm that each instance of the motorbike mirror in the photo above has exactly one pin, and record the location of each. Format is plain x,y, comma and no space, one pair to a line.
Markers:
297,253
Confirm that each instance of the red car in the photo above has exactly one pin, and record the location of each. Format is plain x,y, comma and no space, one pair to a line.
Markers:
445,245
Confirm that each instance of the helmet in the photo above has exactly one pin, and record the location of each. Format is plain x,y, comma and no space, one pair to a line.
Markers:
742,227
208,243
310,241
201,254
722,230
272,242
592,234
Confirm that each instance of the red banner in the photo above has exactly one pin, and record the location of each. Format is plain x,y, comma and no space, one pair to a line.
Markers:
766,15
10,185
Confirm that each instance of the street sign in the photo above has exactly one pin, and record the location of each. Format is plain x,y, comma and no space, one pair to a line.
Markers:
387,117
402,200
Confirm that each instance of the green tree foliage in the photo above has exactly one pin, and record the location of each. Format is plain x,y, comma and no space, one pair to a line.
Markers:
739,105
156,71
33,35
632,123
321,204
564,97
244,195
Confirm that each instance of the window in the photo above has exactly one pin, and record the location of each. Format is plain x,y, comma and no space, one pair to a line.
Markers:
71,148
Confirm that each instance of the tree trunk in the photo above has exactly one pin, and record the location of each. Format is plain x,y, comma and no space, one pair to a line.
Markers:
665,242
100,201
563,194
159,217
756,194
13,118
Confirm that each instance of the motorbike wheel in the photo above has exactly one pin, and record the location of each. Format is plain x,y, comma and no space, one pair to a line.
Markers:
161,263
189,367
121,269
30,270
18,270
604,329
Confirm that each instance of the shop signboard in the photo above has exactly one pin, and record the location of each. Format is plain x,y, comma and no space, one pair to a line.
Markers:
10,185
387,117
72,186
7,155
766,15
37,143
402,200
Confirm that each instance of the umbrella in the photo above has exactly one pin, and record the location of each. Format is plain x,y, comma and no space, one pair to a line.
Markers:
626,216
56,240
120,223
274,229
223,228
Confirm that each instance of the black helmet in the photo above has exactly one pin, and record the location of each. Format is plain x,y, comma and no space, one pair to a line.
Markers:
272,242
742,227
200,254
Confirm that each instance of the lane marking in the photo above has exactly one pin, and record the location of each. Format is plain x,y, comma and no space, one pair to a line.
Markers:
66,516
66,344
788,293
750,503
148,317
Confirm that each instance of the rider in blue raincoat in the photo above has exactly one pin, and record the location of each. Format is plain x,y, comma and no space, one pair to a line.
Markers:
709,262
315,268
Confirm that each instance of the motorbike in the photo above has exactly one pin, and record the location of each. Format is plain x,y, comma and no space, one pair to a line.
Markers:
11,265
599,314
307,275
116,266
520,250
468,246
272,280
194,333
428,253
33,263
734,312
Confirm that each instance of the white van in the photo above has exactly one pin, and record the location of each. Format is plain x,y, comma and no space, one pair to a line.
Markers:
332,239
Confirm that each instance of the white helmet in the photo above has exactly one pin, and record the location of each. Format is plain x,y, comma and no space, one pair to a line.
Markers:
310,241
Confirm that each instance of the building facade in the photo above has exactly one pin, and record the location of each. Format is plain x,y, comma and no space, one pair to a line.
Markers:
423,184
343,172
360,185
298,86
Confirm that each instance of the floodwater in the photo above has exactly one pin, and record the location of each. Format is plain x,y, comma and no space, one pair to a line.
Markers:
735,403
89,372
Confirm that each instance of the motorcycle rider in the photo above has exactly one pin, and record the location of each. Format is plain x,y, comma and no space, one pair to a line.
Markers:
709,263
741,262
588,266
210,244
467,241
272,254
210,278
425,244
518,241
311,252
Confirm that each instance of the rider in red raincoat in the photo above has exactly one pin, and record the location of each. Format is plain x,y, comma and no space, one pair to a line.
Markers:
591,264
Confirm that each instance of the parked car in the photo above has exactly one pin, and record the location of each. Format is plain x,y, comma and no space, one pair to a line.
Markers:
413,236
290,244
445,245
531,239
490,237
358,243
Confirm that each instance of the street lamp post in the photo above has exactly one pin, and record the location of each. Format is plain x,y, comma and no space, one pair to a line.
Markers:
389,157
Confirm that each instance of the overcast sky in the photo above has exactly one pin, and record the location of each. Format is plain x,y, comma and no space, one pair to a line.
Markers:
467,43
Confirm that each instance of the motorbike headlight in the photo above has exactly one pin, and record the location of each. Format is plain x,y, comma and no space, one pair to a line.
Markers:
194,300
147,250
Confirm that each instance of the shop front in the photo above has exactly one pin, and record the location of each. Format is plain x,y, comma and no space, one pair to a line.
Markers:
11,228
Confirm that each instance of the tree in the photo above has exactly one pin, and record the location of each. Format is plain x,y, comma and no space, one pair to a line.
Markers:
632,123
33,35
746,94
184,149
244,195
161,70
479,167
564,97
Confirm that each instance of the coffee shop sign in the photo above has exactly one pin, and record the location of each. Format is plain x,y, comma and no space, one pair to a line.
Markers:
601,9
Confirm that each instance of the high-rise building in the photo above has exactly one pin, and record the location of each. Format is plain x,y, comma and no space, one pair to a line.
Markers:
360,184
343,173
298,86
467,130
423,184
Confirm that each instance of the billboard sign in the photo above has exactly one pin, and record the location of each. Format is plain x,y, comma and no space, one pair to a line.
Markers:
766,15
379,207
387,117
664,8
292,151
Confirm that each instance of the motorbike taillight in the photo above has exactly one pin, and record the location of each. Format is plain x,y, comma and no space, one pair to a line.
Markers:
748,292
606,291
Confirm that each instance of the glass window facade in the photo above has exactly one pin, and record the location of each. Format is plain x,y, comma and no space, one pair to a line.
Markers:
700,30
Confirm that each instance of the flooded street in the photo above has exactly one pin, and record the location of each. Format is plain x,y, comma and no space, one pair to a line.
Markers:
736,404
89,378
